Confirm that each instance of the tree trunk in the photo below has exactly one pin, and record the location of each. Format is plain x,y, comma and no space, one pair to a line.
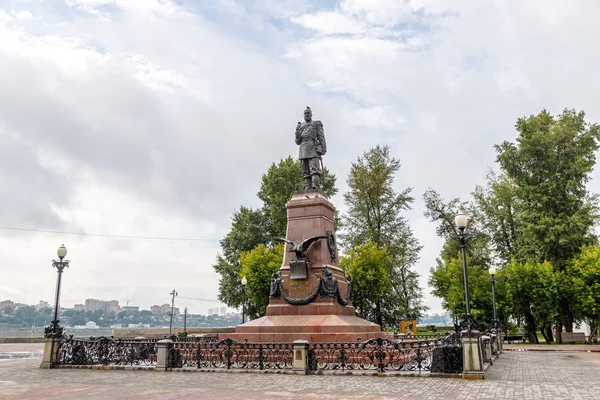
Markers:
531,331
548,329
559,333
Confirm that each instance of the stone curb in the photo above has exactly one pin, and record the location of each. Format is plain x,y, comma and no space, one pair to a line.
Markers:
558,350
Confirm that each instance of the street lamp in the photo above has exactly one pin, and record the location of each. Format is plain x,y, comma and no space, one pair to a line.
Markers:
54,330
185,322
461,222
493,271
244,281
173,294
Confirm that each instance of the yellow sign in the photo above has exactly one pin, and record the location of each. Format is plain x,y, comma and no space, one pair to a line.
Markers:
408,326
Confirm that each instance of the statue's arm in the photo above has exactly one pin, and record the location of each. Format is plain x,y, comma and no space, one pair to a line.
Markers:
298,133
321,137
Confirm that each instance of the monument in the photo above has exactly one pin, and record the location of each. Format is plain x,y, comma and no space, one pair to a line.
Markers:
310,296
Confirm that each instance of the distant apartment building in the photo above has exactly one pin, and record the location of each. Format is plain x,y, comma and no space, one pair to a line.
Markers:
164,309
217,311
7,303
79,307
155,309
42,304
101,305
130,308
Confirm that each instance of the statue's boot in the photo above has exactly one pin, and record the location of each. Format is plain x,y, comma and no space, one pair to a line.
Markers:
315,181
308,183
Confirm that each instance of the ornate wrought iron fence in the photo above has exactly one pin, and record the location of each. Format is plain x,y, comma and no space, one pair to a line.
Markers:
434,355
105,351
229,353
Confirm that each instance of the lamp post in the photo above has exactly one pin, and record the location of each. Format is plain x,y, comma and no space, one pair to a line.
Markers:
461,222
173,294
244,281
185,322
54,330
492,271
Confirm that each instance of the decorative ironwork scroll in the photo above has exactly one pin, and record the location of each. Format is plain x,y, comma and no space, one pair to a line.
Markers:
105,351
229,353
387,355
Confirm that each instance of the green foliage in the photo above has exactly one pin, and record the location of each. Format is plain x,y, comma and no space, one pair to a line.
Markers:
375,214
534,215
258,266
446,280
369,269
497,209
533,293
247,232
585,272
550,164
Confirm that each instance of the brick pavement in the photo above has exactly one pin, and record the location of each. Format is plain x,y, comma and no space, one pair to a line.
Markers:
516,375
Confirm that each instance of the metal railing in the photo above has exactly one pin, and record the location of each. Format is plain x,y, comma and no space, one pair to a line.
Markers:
229,354
434,355
441,355
105,351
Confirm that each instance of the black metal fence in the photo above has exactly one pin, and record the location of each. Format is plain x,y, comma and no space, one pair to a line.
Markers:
441,355
381,355
433,355
230,354
105,351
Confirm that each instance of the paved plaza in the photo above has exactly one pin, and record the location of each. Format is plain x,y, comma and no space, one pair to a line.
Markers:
516,375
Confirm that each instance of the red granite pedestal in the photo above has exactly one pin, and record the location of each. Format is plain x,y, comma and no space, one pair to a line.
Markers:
324,319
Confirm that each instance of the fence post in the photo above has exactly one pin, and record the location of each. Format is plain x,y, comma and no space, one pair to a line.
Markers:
300,364
163,348
50,353
486,343
472,356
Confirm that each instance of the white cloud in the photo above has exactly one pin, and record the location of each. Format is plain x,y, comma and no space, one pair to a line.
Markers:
24,15
329,23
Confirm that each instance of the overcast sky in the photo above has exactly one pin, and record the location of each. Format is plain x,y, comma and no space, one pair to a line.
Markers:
157,118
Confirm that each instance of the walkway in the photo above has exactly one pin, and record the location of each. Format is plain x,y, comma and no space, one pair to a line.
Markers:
516,375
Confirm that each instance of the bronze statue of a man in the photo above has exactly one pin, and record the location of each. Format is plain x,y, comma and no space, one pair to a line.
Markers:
311,139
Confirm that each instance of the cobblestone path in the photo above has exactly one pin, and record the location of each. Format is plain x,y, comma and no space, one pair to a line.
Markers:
516,375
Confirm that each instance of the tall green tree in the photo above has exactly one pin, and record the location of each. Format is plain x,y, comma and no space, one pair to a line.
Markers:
247,231
368,267
550,164
374,213
497,209
258,266
446,276
532,288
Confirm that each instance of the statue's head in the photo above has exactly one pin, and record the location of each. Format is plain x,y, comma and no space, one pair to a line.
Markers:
327,272
307,114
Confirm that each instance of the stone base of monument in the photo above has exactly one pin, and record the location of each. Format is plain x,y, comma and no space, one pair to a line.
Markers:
313,328
317,307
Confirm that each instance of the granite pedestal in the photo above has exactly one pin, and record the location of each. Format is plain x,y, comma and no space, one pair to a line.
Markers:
324,319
